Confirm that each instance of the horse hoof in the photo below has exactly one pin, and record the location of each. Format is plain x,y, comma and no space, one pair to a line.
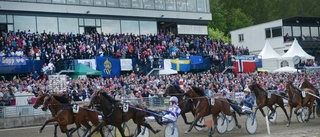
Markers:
288,125
157,131
40,131
186,132
239,126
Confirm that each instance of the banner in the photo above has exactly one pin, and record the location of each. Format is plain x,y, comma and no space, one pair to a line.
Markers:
196,59
13,61
91,63
126,64
206,64
180,64
244,65
110,67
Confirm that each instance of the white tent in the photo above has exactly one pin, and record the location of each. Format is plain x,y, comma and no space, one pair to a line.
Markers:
296,50
286,69
268,52
167,68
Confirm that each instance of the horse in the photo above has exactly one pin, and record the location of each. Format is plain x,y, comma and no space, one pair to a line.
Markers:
296,100
62,113
262,100
203,108
184,105
307,84
113,113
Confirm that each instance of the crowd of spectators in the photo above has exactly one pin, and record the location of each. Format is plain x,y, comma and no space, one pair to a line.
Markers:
60,49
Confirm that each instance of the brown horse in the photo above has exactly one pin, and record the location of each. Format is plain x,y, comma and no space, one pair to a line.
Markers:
262,100
203,108
62,113
307,84
114,115
296,100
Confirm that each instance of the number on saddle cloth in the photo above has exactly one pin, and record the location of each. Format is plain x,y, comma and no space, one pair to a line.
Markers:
125,107
75,108
212,101
303,93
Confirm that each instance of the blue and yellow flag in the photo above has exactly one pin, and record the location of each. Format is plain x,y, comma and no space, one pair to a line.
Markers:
110,67
180,64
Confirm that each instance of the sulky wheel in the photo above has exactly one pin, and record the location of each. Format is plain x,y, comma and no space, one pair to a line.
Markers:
171,130
201,122
109,131
231,123
82,131
273,118
251,124
222,124
144,132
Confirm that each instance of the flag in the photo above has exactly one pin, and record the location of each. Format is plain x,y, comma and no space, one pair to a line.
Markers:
126,64
110,67
181,64
196,59
244,65
91,63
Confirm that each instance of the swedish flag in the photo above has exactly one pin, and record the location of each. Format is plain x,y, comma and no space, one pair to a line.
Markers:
180,64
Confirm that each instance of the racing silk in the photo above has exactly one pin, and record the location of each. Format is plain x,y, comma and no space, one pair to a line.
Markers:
172,113
248,101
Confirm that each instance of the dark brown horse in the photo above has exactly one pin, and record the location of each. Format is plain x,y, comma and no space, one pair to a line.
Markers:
114,115
296,100
203,108
262,100
62,113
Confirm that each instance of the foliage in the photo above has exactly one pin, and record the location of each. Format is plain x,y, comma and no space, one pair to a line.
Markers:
217,34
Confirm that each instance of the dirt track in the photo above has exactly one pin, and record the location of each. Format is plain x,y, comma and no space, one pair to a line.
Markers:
310,129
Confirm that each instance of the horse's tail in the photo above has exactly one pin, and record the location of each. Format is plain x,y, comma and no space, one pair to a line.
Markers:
235,107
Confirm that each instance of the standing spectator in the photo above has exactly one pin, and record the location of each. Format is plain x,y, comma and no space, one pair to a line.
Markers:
76,94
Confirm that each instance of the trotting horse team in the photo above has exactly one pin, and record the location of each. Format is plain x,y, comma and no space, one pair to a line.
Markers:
192,100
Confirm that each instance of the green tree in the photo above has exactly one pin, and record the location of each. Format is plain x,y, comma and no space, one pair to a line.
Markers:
219,20
237,19
217,34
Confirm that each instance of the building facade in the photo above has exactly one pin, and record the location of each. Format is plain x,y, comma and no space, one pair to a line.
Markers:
107,16
280,34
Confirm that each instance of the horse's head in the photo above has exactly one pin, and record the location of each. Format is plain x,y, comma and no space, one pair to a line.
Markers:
306,84
95,98
173,90
254,87
39,100
194,92
288,86
46,102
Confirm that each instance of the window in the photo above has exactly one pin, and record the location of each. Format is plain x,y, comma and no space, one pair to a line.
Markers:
86,2
191,5
276,32
130,26
72,1
125,3
287,30
181,5
305,31
241,37
201,5
296,31
47,24
3,18
59,1
99,3
113,3
284,63
170,5
148,27
159,4
148,4
110,26
89,22
268,33
25,23
136,4
314,32
70,25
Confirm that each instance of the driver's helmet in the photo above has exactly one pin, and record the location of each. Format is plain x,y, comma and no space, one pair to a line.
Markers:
173,99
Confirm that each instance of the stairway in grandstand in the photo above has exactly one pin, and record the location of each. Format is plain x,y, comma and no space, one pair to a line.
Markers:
227,68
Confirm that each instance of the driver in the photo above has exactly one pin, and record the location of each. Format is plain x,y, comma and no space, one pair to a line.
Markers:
248,101
173,111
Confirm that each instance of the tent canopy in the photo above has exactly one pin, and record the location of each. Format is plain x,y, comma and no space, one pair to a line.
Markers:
268,52
81,69
285,69
296,50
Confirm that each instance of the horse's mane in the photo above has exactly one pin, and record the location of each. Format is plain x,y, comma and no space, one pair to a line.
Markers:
62,98
177,87
307,82
260,88
108,97
199,91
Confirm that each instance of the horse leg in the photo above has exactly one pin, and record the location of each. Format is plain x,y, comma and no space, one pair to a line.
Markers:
55,129
215,124
281,105
149,127
261,110
185,119
272,112
96,129
196,119
121,129
236,120
74,129
289,122
48,121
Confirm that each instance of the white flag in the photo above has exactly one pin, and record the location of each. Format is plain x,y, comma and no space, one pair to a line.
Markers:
126,64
